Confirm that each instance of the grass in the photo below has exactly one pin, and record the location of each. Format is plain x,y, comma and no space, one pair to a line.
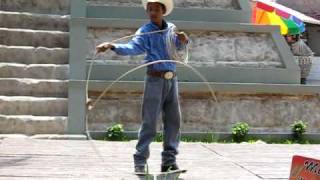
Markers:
276,141
213,138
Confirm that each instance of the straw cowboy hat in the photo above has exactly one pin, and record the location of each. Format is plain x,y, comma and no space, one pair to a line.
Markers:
167,3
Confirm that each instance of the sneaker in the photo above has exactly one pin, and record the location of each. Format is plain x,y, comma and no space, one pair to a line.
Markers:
139,169
172,167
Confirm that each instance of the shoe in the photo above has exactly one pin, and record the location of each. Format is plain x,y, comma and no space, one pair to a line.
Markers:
140,169
172,167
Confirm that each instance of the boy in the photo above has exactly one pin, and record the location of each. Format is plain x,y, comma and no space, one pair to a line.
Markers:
161,86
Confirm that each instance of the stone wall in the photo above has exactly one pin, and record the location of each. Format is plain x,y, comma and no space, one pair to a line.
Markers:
208,48
212,4
263,112
36,6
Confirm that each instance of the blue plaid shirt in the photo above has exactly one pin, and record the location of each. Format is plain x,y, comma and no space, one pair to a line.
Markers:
154,45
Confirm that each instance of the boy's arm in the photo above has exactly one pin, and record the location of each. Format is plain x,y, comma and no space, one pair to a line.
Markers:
135,47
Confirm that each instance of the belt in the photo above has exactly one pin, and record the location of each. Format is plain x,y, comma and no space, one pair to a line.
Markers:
162,74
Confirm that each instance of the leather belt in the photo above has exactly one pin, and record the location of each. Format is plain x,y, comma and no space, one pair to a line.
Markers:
162,74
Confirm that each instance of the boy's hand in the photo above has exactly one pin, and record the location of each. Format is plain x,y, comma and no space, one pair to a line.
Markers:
103,47
89,104
182,36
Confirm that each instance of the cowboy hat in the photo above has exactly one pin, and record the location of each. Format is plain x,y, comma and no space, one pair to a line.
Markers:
167,3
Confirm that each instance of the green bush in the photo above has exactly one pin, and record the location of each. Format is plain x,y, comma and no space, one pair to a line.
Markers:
298,128
115,133
239,131
158,137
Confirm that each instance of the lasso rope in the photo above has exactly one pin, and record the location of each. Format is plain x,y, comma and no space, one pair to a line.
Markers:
92,105
112,42
174,53
180,58
170,45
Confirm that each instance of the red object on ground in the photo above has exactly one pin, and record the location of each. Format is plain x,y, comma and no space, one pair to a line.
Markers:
304,168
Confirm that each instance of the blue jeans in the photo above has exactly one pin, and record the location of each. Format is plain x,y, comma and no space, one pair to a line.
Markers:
160,95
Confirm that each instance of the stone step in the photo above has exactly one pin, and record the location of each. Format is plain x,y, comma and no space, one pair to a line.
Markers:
33,87
26,124
36,106
36,71
44,136
36,38
33,55
37,6
24,20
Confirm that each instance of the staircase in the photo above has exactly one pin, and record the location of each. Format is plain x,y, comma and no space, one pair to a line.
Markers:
34,41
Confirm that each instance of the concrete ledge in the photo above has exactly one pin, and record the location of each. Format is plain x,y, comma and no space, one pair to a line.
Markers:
212,74
59,137
46,136
198,87
189,25
289,74
213,5
241,12
187,14
4,136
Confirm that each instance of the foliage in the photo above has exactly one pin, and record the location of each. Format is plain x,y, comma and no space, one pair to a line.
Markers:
239,131
115,133
298,128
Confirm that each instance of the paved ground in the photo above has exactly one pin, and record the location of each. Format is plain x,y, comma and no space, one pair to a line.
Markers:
26,158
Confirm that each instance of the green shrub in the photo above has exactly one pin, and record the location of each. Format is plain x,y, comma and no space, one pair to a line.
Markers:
115,133
158,137
239,131
298,128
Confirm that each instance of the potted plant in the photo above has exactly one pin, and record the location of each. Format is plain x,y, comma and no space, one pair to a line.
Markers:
298,128
239,131
115,133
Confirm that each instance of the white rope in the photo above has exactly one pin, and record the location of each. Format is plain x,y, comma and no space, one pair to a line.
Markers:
179,56
175,54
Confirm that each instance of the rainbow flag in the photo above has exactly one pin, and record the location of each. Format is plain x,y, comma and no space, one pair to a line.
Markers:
268,14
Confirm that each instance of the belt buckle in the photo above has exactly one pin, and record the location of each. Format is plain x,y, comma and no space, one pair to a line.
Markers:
168,75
